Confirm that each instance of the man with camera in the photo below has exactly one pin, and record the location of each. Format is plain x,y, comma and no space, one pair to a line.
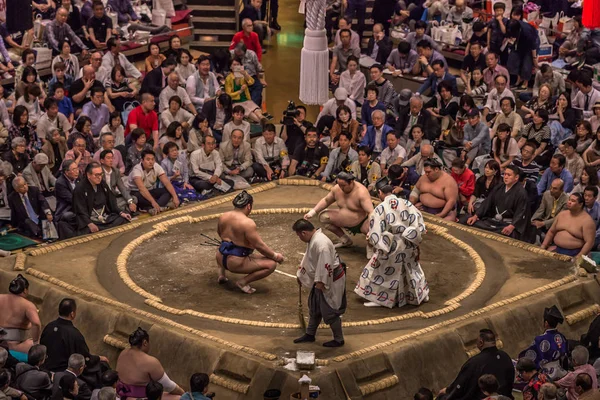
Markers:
294,126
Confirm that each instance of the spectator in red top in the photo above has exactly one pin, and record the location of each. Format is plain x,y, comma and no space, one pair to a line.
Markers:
144,117
465,179
248,37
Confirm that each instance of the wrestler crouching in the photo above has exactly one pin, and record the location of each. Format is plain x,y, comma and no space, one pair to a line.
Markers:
355,206
239,239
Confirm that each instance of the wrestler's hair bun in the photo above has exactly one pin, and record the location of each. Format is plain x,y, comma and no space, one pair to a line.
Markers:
138,336
242,200
18,285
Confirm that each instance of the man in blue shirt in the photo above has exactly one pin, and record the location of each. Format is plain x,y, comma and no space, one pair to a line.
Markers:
592,207
439,75
476,140
557,170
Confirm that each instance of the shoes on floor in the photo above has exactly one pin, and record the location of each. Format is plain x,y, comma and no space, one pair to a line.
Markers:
305,339
333,343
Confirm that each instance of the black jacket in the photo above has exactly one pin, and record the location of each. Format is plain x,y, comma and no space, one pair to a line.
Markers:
153,83
209,109
62,339
83,204
18,213
64,196
385,48
430,128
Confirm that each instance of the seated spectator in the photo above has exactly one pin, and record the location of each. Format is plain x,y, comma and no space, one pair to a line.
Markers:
134,151
340,158
156,80
203,84
414,38
554,201
293,131
527,164
38,175
30,378
58,30
176,114
29,79
507,201
528,371
83,129
62,339
174,134
475,59
52,119
174,48
115,126
144,117
31,101
370,104
254,69
75,20
5,174
458,12
108,381
185,67
107,142
556,170
589,177
591,156
65,184
587,96
417,161
65,106
175,165
66,386
542,101
96,110
392,154
414,141
387,94
493,70
580,358
27,60
252,11
595,120
21,127
124,10
504,147
416,115
365,169
114,57
28,208
547,75
439,75
584,387
341,53
75,366
507,116
354,81
402,59
492,106
119,89
583,137
479,36
208,169
465,179
112,177
218,112
238,123
423,394
376,136
94,204
80,89
79,154
311,159
344,123
236,156
484,185
236,86
99,26
199,131
17,156
100,72
575,163
135,365
198,388
490,360
14,42
70,61
475,86
538,132
144,182
328,112
59,76
379,46
476,140
435,192
488,385
173,89
573,233
443,105
427,56
271,155
248,37
155,58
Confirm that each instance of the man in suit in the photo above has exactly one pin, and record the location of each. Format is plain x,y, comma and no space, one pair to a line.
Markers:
440,74
416,115
210,109
554,201
384,45
112,177
236,155
376,137
28,208
156,80
37,174
76,366
65,184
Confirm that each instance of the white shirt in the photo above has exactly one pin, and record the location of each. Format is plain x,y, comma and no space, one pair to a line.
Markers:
378,133
354,84
212,162
168,92
190,87
330,107
493,100
230,126
389,156
150,178
580,100
108,62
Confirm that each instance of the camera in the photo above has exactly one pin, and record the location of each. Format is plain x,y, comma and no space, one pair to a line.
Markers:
290,113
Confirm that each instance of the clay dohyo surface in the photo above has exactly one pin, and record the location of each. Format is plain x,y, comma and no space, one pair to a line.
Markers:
177,267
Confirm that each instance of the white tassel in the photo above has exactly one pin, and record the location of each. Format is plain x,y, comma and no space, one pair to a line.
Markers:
314,68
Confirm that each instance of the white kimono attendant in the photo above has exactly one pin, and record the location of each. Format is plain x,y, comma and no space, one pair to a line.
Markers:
393,274
322,264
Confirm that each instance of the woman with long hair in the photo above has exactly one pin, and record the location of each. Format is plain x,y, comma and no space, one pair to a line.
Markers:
174,134
83,129
504,147
589,177
200,130
119,89
185,67
416,139
592,155
484,185
563,120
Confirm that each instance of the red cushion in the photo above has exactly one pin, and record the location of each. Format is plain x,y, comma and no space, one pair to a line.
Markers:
180,16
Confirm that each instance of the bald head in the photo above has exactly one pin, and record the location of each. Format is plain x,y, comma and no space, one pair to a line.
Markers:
173,80
556,188
426,150
89,72
460,4
247,25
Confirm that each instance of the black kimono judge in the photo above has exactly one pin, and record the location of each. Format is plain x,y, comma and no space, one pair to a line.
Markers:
94,205
489,361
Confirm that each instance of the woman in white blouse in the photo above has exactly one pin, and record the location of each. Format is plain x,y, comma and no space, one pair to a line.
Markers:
354,81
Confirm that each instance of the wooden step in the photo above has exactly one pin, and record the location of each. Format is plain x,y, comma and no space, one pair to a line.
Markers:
214,32
209,7
215,3
200,44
